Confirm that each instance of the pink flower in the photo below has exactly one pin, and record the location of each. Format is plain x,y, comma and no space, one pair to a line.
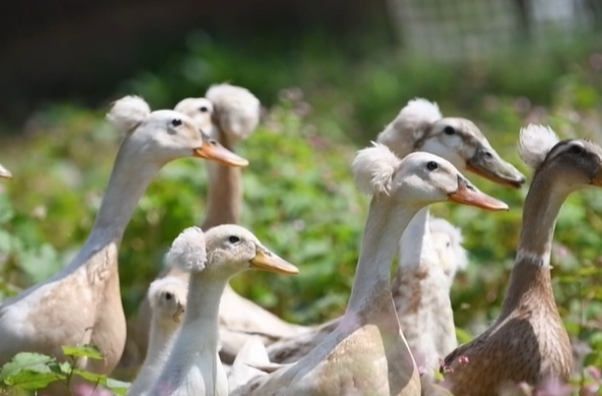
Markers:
88,389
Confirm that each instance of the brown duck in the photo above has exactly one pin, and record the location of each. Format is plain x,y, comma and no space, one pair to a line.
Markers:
528,342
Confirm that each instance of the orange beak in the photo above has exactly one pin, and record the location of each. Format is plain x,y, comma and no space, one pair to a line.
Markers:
213,151
467,194
268,261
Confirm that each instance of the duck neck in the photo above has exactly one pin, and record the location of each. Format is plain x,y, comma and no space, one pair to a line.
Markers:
386,222
161,337
202,312
530,280
416,244
224,194
129,179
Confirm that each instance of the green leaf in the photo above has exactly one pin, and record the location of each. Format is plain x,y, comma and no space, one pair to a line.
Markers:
463,336
92,377
30,371
89,351
117,386
26,361
32,380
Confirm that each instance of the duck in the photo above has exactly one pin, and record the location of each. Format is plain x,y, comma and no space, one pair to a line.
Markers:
81,304
367,352
5,173
420,290
168,303
448,243
229,114
212,258
528,342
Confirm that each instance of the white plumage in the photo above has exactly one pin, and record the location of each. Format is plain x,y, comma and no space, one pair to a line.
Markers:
128,112
373,169
535,143
187,251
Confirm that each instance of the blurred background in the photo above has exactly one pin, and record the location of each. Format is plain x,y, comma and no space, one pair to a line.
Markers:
330,74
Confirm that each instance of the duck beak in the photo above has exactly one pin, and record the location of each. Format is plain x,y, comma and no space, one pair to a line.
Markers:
212,150
4,173
597,179
268,261
488,164
467,194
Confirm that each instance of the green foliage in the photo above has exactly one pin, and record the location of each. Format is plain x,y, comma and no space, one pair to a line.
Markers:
33,371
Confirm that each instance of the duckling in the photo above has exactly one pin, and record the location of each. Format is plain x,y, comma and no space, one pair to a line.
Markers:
167,297
193,366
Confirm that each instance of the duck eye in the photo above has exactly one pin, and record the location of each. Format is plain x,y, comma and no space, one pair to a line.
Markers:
431,165
448,130
168,296
176,122
448,244
576,149
233,239
203,109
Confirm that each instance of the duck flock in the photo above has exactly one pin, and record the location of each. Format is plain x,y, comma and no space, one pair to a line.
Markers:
194,335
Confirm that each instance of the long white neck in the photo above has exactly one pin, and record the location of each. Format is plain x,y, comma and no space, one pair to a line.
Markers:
161,339
195,347
416,244
129,179
386,222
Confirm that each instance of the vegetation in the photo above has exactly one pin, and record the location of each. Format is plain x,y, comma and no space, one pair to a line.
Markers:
322,105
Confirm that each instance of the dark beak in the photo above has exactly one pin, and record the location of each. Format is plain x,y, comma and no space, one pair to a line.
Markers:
488,164
467,194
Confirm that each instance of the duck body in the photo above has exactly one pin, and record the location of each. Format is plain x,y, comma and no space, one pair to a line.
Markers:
366,353
423,280
27,328
528,342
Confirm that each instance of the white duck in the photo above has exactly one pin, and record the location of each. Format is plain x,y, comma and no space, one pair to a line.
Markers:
193,367
367,352
229,114
5,173
420,289
82,303
447,241
167,297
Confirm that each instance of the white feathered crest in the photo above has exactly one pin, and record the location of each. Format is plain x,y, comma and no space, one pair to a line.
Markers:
237,110
409,126
535,143
188,251
128,112
373,169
